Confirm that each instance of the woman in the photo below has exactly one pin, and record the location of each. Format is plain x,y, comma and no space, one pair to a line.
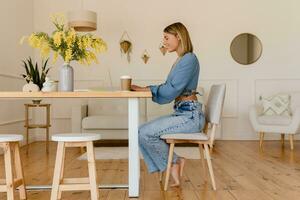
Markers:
180,86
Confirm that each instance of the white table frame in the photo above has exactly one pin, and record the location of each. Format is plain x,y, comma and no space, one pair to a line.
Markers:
133,124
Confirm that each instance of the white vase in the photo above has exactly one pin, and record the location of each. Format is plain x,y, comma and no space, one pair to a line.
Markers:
30,87
66,78
50,85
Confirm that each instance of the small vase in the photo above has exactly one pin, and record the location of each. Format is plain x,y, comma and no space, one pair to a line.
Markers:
30,87
66,78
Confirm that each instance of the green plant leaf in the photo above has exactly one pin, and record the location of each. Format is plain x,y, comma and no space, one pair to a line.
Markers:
33,72
45,64
26,67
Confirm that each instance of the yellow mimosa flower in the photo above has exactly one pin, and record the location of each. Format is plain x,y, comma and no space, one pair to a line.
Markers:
67,42
68,56
70,38
57,38
45,49
34,41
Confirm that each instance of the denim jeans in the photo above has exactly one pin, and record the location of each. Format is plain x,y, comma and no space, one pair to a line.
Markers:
187,118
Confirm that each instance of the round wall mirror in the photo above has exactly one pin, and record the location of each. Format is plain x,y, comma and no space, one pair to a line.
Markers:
246,48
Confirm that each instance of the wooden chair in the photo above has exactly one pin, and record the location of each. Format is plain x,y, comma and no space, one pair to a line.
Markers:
213,115
60,183
10,144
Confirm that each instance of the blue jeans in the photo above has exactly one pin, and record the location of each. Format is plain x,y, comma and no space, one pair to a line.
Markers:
187,118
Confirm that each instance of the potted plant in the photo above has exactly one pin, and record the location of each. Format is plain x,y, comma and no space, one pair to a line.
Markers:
34,76
70,45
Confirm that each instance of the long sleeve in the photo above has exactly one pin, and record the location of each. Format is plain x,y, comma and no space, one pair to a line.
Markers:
177,82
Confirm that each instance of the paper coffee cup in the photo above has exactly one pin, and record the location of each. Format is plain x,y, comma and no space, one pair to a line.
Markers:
125,83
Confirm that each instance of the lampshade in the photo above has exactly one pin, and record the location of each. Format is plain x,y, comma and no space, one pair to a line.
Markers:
82,20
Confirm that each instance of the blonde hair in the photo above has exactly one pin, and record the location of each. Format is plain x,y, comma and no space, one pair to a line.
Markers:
178,29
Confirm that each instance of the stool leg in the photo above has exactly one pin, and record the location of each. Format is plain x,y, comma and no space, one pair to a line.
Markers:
171,149
57,170
92,171
82,150
62,173
19,170
26,127
47,129
47,140
9,171
27,139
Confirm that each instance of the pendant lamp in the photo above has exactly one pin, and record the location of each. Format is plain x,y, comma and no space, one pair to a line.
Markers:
82,20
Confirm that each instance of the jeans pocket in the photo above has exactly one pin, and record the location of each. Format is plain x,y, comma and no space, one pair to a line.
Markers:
186,106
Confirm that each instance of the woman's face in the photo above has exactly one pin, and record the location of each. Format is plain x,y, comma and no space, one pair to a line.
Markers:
171,42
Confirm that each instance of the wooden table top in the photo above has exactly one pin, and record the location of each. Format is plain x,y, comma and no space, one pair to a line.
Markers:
76,94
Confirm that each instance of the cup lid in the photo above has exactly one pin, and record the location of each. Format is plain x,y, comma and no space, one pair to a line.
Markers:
125,77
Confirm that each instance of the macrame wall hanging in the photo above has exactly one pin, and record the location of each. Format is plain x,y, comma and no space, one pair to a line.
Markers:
162,49
126,45
145,56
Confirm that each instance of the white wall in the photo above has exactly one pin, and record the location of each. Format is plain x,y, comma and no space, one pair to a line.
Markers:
16,20
212,25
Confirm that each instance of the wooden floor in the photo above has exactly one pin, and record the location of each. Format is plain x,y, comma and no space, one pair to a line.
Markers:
242,172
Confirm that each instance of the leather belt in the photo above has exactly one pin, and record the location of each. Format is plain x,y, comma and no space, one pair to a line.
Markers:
192,97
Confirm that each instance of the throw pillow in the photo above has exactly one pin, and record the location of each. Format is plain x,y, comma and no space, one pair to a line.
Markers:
278,104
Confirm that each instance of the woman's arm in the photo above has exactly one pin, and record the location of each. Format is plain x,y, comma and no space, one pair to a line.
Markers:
173,87
139,88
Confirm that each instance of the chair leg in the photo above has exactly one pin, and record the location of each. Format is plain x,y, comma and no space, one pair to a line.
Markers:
282,139
9,171
292,141
262,135
211,172
19,170
160,176
171,149
203,161
57,170
92,171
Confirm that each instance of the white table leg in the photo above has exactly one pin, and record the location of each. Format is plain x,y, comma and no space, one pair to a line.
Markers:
133,146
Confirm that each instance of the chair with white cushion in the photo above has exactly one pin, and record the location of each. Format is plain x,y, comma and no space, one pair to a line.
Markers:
60,183
213,115
10,144
278,124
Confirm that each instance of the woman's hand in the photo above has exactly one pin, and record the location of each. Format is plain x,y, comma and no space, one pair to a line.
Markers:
139,89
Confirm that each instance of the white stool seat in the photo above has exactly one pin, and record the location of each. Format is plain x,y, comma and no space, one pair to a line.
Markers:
76,137
10,138
185,136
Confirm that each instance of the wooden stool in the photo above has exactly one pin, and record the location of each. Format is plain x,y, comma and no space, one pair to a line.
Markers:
72,184
10,145
32,126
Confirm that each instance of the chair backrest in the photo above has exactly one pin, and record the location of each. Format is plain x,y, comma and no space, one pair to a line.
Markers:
215,102
214,109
